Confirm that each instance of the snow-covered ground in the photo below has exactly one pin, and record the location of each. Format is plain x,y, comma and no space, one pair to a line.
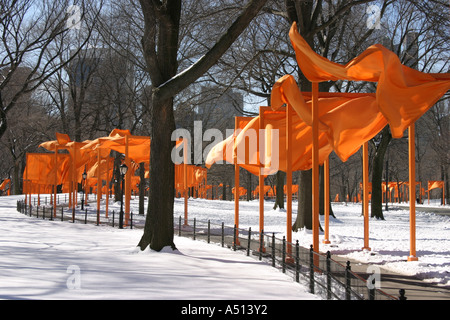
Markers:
389,239
42,259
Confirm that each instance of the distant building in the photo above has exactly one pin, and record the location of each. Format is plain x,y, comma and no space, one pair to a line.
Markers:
218,109
411,49
102,78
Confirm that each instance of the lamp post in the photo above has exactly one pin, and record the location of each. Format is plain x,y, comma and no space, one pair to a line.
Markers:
123,170
84,175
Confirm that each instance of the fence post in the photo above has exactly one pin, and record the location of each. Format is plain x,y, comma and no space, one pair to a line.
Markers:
261,241
209,230
113,218
328,275
51,213
311,270
179,227
273,249
372,290
85,216
249,240
62,214
402,294
297,261
43,213
347,281
223,234
194,228
37,212
131,220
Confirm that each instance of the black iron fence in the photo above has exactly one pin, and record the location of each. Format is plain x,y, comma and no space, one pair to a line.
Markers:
323,275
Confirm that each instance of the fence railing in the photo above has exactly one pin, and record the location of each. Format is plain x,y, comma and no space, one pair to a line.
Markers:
319,272
323,275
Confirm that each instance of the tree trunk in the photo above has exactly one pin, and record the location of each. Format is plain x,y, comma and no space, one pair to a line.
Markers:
160,49
117,177
304,216
158,231
249,186
142,186
377,175
279,199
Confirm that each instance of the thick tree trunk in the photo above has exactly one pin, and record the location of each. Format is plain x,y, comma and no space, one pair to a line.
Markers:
158,232
279,200
142,186
304,216
377,175
160,48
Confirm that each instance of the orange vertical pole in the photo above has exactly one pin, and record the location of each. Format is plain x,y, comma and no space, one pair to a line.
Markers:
99,185
55,181
326,198
412,192
85,192
366,194
315,168
127,181
289,181
261,177
236,184
107,187
25,182
185,181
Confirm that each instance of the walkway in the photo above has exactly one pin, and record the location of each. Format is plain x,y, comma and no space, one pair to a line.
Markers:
415,288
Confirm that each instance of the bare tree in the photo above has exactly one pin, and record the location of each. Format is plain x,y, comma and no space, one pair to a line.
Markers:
33,35
160,46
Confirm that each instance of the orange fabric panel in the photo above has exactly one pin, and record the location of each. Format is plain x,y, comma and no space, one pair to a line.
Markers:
248,155
5,184
62,138
138,146
195,175
266,189
345,133
40,168
403,94
242,191
435,185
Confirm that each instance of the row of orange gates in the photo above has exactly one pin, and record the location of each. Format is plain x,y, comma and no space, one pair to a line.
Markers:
92,159
307,127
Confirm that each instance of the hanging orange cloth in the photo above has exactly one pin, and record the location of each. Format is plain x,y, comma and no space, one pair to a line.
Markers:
345,133
248,154
40,168
5,184
138,146
435,185
403,94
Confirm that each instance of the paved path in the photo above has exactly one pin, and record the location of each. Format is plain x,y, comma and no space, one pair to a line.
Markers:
437,210
391,283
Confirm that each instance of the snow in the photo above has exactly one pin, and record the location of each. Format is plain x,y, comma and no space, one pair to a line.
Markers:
389,239
44,259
